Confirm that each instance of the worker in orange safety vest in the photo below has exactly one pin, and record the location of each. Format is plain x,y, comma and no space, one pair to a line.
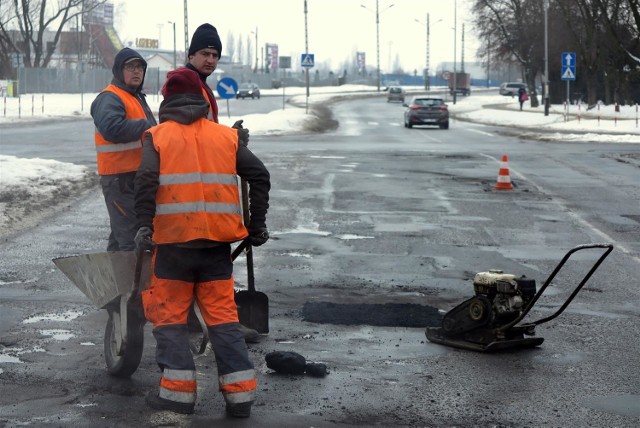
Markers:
189,213
204,53
120,115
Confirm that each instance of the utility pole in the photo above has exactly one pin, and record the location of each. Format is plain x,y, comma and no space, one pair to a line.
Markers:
427,77
378,42
455,37
306,51
186,33
174,43
255,70
546,58
488,60
462,51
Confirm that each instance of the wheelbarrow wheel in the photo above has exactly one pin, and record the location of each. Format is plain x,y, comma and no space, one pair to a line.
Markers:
126,364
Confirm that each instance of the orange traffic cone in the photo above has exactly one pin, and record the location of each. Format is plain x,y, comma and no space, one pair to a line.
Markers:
504,180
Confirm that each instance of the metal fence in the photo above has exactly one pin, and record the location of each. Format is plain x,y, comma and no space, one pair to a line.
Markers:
71,81
68,81
65,81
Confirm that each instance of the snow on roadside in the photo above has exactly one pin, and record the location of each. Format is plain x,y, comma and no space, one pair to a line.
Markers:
30,187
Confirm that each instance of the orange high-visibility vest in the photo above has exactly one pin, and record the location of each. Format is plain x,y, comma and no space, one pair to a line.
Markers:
198,195
122,157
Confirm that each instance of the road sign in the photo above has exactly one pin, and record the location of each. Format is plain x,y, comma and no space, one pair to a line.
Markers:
285,62
16,60
568,61
307,60
227,88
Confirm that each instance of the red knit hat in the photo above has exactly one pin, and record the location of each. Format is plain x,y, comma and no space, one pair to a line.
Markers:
182,81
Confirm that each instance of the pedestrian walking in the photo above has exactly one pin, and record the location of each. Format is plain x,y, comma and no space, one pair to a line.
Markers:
120,115
189,213
522,96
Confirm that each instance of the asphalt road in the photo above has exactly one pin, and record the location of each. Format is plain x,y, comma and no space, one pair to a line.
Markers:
366,218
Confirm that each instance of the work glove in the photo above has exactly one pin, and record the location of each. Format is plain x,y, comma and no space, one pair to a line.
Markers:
258,236
243,133
143,239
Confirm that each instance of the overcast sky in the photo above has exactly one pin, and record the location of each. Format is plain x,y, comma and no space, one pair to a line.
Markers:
336,28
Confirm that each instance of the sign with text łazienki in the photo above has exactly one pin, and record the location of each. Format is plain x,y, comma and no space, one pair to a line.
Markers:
147,43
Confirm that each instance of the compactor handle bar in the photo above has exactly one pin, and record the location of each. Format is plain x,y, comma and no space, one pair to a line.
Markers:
604,255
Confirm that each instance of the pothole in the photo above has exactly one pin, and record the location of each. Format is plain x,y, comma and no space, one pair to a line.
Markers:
382,314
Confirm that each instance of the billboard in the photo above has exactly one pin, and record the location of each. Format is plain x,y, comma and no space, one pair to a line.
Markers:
272,56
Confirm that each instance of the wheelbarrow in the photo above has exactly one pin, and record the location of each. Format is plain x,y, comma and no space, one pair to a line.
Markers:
113,281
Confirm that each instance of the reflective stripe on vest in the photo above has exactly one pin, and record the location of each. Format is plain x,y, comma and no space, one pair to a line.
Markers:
122,147
115,158
198,195
194,177
238,387
178,385
194,207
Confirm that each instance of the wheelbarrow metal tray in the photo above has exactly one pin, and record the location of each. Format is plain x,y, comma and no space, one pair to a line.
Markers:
100,276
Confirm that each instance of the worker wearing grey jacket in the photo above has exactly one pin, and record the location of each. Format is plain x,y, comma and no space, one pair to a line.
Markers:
121,115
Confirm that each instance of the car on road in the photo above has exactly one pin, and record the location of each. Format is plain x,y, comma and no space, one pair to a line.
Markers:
396,93
427,111
247,90
511,88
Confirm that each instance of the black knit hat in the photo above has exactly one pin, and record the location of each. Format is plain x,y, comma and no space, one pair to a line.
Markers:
205,36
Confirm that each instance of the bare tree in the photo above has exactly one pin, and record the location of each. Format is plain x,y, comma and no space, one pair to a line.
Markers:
30,19
240,49
250,51
231,46
513,26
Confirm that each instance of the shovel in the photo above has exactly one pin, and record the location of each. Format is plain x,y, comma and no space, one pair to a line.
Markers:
253,306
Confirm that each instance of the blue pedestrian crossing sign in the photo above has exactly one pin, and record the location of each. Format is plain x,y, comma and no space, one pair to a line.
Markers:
568,61
227,88
307,60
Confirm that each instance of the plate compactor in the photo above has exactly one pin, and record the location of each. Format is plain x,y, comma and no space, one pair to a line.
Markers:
490,321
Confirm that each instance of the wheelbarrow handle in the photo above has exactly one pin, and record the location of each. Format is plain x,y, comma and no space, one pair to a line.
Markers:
240,248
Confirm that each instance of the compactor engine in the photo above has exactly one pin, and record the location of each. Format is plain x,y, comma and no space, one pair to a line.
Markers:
490,320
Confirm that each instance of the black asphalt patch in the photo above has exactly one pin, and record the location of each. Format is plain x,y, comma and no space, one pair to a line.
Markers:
387,314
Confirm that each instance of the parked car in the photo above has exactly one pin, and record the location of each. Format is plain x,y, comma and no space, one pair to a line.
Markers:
396,93
427,111
246,90
511,88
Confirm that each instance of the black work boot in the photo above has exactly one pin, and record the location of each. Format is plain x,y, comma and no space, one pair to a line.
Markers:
155,402
250,335
240,410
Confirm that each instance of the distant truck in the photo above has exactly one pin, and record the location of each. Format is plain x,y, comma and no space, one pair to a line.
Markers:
463,83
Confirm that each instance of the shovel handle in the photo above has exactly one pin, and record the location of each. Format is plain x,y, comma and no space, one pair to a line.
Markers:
245,214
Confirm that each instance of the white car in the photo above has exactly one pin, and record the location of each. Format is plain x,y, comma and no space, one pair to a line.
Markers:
511,88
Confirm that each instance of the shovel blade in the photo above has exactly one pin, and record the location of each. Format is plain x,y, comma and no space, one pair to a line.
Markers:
253,310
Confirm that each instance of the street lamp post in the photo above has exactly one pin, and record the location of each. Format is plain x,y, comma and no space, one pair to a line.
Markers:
427,77
455,36
186,32
546,58
378,37
255,70
174,44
